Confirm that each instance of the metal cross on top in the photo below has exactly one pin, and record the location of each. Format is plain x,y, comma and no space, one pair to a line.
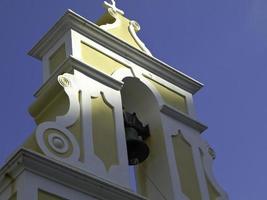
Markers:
113,6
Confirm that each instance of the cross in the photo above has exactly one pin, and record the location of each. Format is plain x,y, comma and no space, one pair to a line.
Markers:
113,3
113,6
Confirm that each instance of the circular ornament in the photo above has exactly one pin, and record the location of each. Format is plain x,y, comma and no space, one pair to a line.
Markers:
59,143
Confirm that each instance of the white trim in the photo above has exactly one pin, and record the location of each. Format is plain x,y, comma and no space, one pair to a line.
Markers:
56,171
71,20
68,66
183,118
133,27
207,160
66,40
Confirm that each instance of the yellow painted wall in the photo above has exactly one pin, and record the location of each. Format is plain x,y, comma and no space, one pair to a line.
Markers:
58,106
171,97
104,133
186,168
32,144
122,31
57,58
98,60
42,195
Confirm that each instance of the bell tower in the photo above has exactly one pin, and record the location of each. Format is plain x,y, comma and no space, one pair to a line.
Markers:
106,103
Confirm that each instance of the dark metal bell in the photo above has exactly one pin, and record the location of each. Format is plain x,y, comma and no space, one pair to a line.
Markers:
137,149
136,133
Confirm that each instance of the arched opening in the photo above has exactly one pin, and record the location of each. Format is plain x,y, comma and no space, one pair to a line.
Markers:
152,177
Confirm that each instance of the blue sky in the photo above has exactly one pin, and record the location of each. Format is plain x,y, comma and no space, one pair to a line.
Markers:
223,44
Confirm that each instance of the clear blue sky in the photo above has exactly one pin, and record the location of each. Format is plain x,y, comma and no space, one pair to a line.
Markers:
220,43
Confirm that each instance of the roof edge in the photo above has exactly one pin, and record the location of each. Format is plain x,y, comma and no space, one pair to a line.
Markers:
71,20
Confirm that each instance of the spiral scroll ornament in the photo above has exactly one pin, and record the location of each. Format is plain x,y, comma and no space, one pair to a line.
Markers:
53,137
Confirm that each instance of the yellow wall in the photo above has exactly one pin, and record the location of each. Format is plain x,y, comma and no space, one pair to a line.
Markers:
171,97
58,106
104,133
121,31
98,60
186,168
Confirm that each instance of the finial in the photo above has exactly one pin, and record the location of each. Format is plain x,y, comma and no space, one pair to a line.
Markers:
113,2
112,5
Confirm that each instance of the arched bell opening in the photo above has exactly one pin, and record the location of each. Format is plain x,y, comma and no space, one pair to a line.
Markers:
152,175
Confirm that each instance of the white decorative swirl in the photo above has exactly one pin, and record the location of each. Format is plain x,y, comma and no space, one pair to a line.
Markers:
74,105
54,139
133,28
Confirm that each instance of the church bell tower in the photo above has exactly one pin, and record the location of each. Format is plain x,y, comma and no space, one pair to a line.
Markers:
112,121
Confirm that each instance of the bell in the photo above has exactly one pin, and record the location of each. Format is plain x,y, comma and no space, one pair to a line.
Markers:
137,149
136,133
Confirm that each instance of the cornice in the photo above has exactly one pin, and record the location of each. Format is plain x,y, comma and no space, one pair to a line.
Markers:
187,120
71,20
51,87
72,63
64,174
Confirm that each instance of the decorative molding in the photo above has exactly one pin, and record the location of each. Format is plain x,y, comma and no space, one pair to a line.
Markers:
60,137
58,143
79,180
212,153
114,24
186,168
71,20
175,114
65,138
208,157
133,28
81,155
51,86
99,59
96,74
